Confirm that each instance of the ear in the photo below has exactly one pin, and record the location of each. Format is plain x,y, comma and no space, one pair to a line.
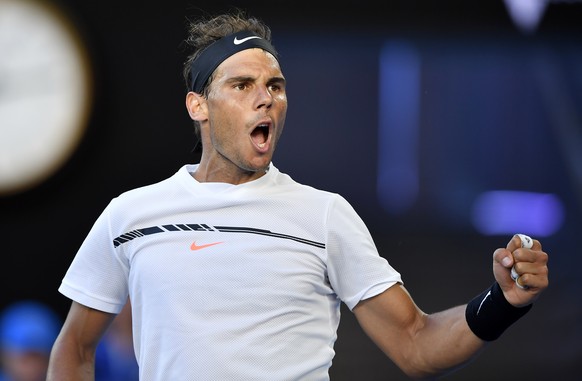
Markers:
196,106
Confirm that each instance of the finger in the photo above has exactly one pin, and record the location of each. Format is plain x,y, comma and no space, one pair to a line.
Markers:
533,281
504,257
519,283
525,242
523,268
537,245
514,243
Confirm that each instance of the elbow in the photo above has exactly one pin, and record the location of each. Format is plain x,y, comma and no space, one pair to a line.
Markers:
416,371
417,366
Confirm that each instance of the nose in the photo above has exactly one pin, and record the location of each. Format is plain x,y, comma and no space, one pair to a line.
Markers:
264,97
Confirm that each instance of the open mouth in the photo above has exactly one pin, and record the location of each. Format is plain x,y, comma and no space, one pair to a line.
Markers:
260,135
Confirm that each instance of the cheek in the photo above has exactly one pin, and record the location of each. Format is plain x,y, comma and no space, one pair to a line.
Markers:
282,106
282,100
223,133
282,114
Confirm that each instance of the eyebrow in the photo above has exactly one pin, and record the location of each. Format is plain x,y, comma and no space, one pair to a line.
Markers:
245,78
277,80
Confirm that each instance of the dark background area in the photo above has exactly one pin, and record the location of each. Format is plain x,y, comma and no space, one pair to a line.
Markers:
492,115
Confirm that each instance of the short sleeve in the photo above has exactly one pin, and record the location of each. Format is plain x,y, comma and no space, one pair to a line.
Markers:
355,268
97,276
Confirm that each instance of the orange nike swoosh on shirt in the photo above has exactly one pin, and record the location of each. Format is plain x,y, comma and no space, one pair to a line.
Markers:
198,247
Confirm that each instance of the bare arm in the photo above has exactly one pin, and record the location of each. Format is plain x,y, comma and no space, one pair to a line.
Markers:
73,354
420,344
425,346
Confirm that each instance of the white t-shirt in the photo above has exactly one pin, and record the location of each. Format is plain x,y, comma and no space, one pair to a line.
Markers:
229,282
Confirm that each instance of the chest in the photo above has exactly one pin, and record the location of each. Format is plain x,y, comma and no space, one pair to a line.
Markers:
225,262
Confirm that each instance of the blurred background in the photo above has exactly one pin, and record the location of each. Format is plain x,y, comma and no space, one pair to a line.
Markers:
448,125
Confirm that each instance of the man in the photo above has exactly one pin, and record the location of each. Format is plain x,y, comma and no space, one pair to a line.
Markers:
237,272
28,329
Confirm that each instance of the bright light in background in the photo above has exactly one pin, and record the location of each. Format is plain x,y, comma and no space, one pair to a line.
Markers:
527,14
509,212
398,127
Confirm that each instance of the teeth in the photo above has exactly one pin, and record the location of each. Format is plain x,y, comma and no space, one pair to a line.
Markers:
261,145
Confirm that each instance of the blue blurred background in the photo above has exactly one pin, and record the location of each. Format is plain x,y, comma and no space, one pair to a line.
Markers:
448,125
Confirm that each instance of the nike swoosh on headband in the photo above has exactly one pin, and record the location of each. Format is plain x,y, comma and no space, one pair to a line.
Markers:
238,42
204,65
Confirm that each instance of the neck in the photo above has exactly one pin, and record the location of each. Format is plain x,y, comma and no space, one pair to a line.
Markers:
205,174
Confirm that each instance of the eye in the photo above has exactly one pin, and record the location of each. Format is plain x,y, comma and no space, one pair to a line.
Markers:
241,86
277,85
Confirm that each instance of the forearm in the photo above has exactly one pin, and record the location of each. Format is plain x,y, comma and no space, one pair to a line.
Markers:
461,332
443,343
421,345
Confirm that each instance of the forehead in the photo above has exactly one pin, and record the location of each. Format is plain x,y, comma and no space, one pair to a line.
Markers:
249,62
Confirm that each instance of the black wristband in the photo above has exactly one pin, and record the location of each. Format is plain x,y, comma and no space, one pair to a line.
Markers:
489,314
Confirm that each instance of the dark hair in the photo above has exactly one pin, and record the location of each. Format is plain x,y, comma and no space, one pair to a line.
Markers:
203,32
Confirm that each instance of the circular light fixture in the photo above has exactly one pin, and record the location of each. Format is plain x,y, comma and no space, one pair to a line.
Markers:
45,92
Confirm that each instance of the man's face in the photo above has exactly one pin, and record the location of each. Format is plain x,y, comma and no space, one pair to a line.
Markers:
246,109
25,366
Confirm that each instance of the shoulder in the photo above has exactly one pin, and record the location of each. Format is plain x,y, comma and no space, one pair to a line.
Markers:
287,183
154,190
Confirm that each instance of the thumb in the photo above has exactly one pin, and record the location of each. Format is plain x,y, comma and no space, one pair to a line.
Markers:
502,263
